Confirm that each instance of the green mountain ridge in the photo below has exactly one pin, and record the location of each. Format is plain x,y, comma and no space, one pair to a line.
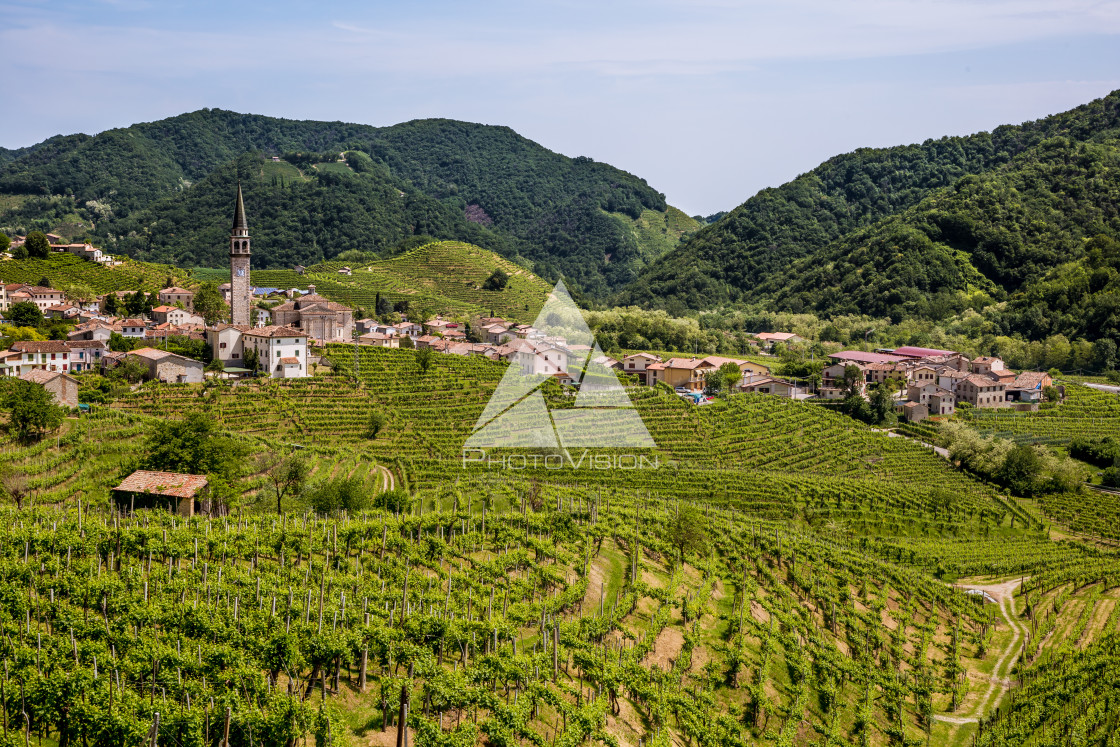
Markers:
994,235
745,256
545,207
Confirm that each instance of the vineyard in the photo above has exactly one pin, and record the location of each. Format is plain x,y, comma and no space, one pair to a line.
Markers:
486,617
66,270
774,458
786,575
1084,412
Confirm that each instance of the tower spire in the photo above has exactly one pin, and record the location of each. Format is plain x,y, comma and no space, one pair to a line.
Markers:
240,225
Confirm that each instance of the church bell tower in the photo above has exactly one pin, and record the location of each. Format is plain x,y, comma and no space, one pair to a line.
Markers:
240,293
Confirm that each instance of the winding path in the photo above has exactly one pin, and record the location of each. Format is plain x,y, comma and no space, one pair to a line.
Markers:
389,482
999,681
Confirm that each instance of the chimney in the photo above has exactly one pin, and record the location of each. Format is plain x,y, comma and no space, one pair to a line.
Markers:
311,289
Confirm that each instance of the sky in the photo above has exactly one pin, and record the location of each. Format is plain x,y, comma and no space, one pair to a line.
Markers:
708,100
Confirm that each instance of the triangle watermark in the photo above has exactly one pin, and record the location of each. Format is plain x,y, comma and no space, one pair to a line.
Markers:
558,346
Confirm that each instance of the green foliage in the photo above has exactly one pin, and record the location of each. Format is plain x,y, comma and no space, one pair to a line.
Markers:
1028,470
209,304
396,501
441,178
377,421
424,359
686,532
192,446
37,245
32,410
252,360
24,314
130,370
5,242
342,494
497,281
1102,452
926,231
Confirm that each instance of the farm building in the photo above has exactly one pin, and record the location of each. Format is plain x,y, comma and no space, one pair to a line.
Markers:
183,494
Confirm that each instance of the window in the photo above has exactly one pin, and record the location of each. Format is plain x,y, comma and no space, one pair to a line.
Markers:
222,346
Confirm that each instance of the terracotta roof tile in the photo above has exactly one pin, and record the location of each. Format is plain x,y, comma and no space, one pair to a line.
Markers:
163,483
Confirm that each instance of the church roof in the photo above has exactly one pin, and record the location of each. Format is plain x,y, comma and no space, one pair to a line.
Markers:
239,222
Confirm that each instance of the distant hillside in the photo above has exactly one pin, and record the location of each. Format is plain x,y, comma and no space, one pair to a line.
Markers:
292,220
135,182
442,277
744,257
999,233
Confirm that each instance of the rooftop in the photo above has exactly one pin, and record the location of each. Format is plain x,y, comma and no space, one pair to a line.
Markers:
860,356
912,352
163,483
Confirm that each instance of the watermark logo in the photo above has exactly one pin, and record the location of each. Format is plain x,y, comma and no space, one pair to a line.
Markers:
558,346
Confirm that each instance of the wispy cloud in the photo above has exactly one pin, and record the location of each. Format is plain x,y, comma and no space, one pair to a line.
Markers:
708,97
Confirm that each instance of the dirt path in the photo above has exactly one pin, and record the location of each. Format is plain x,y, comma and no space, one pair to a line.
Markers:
998,681
388,481
937,449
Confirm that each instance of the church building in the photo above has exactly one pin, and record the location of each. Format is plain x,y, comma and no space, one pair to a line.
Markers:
241,297
317,317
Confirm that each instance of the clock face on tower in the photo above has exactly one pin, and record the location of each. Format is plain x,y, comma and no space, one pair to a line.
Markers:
240,272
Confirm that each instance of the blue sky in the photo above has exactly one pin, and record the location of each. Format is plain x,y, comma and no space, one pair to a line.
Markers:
709,101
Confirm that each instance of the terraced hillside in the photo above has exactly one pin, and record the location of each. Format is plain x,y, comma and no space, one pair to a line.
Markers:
777,459
441,277
812,591
578,621
66,270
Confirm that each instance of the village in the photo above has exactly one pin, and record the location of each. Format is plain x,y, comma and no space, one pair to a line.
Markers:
276,333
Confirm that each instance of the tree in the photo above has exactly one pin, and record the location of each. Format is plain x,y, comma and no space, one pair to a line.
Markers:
497,281
723,379
384,306
288,479
5,242
1021,469
344,494
110,304
134,304
131,370
44,282
193,446
686,532
208,303
407,343
32,410
37,245
13,485
881,407
25,314
424,359
377,421
20,252
252,360
853,380
215,366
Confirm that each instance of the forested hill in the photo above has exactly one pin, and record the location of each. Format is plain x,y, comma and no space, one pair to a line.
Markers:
573,216
746,255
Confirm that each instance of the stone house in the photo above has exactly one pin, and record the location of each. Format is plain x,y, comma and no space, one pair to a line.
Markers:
63,386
